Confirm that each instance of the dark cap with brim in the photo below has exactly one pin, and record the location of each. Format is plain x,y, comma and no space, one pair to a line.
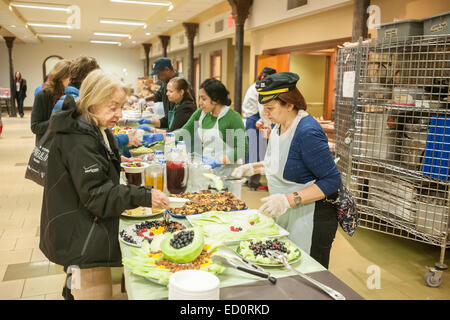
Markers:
160,64
272,86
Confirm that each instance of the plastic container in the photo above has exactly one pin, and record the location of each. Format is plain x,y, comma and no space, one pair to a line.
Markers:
194,285
437,25
400,29
437,150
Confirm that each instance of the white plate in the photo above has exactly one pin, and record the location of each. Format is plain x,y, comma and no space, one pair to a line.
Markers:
281,233
175,202
148,213
135,169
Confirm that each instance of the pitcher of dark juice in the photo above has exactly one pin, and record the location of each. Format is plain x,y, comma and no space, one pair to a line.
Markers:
177,171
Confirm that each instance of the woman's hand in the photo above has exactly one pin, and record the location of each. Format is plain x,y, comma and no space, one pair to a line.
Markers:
245,170
159,199
275,205
133,141
125,159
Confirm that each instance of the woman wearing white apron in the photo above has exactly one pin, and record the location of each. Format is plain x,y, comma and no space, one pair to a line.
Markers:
299,168
216,130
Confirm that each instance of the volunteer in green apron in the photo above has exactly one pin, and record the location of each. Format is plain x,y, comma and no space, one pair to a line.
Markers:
215,130
299,168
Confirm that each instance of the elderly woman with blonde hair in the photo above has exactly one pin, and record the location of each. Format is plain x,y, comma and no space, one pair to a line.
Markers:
83,198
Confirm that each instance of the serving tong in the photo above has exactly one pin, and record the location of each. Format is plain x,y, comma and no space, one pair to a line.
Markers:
248,267
279,257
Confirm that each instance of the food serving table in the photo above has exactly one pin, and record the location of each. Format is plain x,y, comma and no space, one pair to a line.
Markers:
238,285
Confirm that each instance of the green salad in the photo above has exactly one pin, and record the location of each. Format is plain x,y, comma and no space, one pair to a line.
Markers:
255,250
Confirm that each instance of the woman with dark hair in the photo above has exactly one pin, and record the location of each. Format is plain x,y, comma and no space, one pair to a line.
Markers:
20,92
53,88
216,130
299,167
177,92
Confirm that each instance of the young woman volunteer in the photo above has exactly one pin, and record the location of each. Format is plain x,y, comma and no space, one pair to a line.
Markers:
299,168
83,198
216,131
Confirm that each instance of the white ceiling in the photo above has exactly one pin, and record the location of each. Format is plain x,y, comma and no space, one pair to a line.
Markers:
15,21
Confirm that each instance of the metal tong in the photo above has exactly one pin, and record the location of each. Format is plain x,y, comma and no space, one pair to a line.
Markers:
279,257
229,263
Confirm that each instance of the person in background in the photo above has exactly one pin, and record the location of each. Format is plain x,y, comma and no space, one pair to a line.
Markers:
211,124
252,112
83,198
178,93
21,91
53,89
163,69
79,70
299,168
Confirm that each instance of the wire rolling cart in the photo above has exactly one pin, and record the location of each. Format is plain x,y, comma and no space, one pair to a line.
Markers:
393,137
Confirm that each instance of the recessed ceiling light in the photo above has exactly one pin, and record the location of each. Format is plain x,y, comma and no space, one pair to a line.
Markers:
171,7
150,3
49,25
170,20
105,42
12,26
39,6
107,34
123,22
63,36
133,41
148,33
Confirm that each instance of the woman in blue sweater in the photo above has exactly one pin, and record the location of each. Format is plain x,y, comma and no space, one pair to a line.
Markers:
299,168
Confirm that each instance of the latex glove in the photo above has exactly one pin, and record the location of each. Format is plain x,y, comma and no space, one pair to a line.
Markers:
275,205
245,170
152,137
143,121
214,163
145,128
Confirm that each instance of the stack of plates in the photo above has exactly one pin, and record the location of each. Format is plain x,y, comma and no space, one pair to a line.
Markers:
194,285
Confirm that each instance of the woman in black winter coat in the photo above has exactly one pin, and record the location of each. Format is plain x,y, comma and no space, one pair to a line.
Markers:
83,199
52,90
20,92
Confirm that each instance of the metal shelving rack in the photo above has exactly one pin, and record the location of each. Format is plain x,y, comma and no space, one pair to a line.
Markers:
393,137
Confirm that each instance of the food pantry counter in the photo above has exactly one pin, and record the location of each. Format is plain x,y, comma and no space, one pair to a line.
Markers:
240,285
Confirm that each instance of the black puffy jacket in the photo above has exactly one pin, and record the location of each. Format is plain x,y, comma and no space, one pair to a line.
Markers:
83,199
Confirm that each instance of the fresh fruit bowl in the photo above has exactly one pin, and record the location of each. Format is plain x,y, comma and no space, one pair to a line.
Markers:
134,167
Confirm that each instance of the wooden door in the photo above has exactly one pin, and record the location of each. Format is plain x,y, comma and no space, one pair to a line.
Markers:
279,62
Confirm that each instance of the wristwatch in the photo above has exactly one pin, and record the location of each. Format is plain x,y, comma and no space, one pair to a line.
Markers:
297,198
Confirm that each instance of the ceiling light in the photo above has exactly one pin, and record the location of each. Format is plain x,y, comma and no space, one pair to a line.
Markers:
12,26
170,20
39,6
48,25
124,22
63,36
105,42
150,3
171,7
148,33
107,34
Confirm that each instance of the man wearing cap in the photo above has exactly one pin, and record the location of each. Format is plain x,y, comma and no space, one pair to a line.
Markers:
299,168
164,71
253,113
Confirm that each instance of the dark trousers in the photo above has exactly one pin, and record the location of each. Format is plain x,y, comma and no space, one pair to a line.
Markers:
324,231
20,104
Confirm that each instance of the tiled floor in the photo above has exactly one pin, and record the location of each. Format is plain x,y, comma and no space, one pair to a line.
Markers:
25,273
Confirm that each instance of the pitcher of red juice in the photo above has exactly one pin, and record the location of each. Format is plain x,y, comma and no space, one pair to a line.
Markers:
177,171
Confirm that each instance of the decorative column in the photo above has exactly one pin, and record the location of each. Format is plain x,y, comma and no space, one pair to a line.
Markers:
12,105
164,43
147,47
360,17
240,10
190,31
